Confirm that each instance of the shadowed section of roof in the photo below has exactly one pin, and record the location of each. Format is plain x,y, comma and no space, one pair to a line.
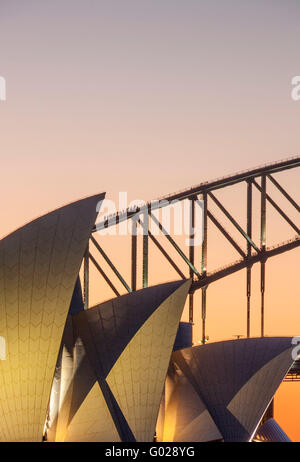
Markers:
39,264
237,379
125,346
271,432
77,301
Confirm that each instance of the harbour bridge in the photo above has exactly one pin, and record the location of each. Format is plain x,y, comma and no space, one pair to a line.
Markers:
250,252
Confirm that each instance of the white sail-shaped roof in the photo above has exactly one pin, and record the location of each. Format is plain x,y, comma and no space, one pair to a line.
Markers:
236,380
121,354
39,264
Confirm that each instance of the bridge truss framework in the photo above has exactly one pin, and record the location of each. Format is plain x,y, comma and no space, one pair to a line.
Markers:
257,178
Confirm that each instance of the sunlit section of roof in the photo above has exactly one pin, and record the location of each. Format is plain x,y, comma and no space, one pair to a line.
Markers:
39,264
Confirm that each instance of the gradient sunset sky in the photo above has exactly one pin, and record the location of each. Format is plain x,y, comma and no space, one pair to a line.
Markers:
148,97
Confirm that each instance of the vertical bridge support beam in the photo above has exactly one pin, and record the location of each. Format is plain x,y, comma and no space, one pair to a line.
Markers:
249,232
204,264
86,277
203,314
192,256
262,290
248,300
133,254
263,248
145,249
263,214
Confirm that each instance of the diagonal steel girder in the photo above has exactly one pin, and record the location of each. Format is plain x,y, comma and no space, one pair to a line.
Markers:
284,192
226,234
279,210
105,277
233,221
109,262
176,247
165,254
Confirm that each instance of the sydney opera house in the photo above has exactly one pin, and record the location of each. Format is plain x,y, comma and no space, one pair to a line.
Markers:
125,370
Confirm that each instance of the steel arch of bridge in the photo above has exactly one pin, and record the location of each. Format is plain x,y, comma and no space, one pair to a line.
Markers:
257,178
